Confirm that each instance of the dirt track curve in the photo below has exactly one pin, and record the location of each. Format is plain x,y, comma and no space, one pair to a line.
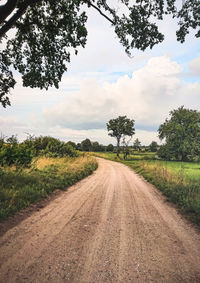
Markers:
110,227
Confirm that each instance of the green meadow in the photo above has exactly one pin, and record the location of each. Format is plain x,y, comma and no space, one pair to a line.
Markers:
191,171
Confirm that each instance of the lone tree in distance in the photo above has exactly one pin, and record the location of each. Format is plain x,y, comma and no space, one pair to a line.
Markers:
120,128
46,31
181,134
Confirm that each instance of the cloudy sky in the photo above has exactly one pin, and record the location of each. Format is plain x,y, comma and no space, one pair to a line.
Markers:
102,83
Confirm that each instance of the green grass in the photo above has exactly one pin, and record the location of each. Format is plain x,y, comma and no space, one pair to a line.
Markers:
20,188
179,181
190,170
137,156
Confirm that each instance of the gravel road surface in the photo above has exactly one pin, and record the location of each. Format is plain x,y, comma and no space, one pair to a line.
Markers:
110,227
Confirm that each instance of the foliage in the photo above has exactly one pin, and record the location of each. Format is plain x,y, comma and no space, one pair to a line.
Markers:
182,135
6,78
19,189
78,146
96,147
71,144
12,140
46,33
13,153
153,146
51,147
17,154
20,154
120,128
110,148
1,142
86,145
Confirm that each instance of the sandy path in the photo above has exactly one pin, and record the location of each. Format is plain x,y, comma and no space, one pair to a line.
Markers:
110,227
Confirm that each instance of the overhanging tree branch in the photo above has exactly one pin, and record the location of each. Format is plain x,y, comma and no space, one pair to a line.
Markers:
6,10
12,20
21,10
100,12
55,27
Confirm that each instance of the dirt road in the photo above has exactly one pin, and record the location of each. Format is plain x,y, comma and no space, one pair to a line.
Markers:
110,227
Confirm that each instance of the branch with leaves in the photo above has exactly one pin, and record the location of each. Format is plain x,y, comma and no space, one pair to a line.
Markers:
45,32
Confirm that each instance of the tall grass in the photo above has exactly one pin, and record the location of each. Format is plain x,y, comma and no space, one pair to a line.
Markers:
191,170
19,188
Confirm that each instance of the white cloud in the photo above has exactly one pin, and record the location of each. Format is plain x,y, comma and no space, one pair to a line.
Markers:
11,125
146,97
194,67
146,137
10,122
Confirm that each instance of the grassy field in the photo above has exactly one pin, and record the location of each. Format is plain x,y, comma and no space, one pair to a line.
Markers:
19,188
190,170
179,181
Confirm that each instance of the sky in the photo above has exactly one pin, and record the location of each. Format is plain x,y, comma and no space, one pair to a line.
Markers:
102,82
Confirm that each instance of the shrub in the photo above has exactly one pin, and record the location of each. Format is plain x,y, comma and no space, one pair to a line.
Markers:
21,154
15,154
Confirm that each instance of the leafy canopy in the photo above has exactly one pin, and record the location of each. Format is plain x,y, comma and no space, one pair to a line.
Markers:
153,146
45,32
181,134
20,154
110,148
86,145
120,128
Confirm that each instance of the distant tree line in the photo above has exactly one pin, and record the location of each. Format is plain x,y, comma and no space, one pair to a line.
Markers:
87,145
13,152
180,133
137,146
